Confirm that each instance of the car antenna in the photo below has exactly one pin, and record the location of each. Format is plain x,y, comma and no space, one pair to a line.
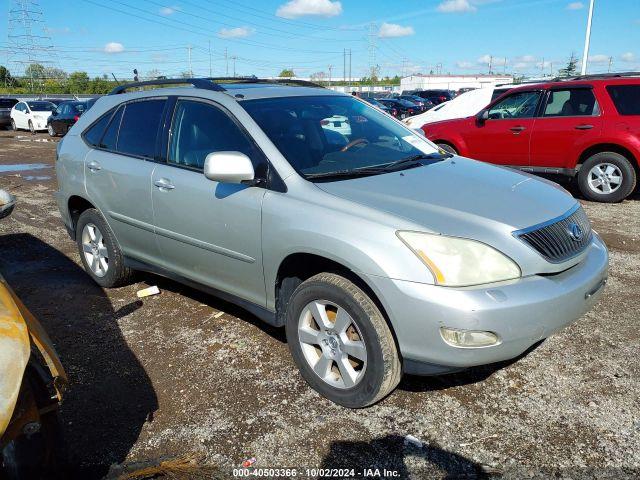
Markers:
114,77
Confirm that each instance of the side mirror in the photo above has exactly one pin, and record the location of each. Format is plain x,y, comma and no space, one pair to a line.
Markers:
482,117
228,167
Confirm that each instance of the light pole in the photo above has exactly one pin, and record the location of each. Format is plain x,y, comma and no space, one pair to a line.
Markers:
587,39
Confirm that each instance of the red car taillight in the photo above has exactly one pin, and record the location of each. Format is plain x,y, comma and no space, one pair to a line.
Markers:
443,99
394,112
76,118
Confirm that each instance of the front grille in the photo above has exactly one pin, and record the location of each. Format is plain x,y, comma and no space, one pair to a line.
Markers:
559,240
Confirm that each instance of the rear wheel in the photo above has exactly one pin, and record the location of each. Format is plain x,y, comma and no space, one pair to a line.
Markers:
31,128
607,177
51,131
447,148
99,251
14,127
341,342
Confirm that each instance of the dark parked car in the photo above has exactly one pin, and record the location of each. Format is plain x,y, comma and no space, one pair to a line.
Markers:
65,116
6,104
435,96
424,103
403,107
389,110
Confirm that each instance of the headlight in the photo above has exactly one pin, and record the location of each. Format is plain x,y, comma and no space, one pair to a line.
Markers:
458,262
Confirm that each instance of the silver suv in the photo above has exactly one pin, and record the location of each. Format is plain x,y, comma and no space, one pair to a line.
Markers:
378,253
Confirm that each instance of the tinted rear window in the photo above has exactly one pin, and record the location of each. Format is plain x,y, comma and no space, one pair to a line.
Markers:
94,133
111,135
7,102
626,98
139,128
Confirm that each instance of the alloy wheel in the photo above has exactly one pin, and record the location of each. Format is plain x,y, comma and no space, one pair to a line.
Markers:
332,344
94,250
51,130
604,178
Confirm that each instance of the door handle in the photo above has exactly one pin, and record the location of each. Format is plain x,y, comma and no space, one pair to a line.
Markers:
517,130
584,127
164,184
94,166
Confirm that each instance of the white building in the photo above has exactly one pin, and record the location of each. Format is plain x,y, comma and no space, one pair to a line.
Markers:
452,82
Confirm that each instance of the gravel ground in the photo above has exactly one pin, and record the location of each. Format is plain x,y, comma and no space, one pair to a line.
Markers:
188,377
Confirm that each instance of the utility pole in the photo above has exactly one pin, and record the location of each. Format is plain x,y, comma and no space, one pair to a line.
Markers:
542,67
504,70
190,66
226,61
587,39
372,50
210,74
490,63
330,67
344,65
610,62
233,57
349,67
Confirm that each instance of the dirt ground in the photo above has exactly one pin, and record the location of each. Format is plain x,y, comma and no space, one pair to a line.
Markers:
183,375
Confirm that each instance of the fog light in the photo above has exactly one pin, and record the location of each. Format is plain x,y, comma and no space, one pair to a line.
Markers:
468,338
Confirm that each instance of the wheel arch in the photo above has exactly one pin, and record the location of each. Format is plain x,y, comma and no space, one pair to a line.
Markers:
608,147
297,267
77,205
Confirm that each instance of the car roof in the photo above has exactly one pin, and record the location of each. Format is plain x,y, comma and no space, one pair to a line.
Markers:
579,81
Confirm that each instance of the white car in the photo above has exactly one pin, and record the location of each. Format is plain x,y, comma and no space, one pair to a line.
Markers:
464,105
31,115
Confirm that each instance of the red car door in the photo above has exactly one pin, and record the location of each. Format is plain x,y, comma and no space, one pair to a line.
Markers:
504,136
569,122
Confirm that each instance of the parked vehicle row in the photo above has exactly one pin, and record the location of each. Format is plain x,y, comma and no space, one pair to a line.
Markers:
587,129
377,252
54,115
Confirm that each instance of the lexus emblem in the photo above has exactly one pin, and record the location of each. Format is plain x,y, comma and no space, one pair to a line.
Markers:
575,232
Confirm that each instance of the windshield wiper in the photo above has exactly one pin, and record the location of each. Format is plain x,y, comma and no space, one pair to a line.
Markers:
376,169
413,159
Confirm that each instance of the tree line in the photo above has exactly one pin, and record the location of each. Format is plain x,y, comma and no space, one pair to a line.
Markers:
38,79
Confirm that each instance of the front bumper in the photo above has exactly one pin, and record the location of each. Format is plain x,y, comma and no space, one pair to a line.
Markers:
520,312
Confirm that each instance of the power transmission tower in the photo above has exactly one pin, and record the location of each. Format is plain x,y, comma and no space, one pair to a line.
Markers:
28,42
330,67
234,58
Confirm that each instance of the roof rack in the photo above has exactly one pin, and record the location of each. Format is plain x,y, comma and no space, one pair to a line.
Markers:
212,83
594,76
204,83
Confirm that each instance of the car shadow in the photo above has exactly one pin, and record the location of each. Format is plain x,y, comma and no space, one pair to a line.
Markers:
110,396
416,383
211,300
389,453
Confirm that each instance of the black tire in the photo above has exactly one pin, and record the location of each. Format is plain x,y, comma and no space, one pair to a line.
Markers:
31,127
383,369
116,274
14,127
447,148
52,132
624,167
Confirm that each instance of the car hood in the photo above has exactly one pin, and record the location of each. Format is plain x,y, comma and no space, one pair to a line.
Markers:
459,197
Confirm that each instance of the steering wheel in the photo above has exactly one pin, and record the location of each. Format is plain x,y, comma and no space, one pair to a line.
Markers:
506,113
357,141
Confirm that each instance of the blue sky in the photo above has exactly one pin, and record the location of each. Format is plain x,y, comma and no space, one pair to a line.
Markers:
451,36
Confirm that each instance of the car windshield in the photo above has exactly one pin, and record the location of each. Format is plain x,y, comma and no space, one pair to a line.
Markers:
41,106
335,134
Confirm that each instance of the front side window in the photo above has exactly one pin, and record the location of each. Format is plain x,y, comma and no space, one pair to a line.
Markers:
518,105
626,98
59,110
330,134
139,128
199,129
572,102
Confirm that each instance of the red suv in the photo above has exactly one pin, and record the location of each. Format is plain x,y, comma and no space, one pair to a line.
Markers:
587,127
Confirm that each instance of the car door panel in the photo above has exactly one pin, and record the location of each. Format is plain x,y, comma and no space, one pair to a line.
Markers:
210,232
120,187
562,131
207,231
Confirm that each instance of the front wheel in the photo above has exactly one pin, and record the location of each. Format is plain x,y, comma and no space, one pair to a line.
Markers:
31,127
341,342
51,131
607,177
14,127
